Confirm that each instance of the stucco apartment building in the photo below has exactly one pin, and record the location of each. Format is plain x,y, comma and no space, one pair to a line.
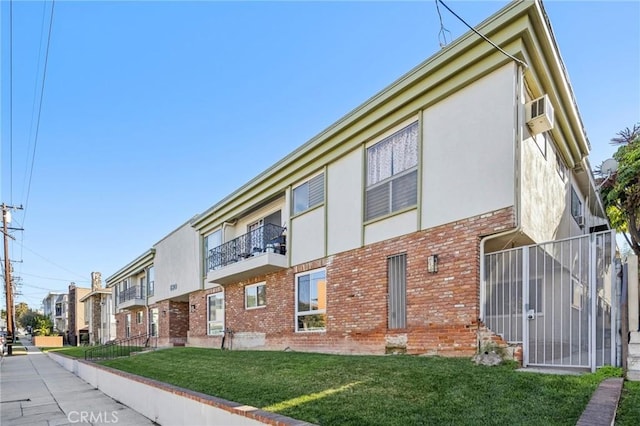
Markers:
373,236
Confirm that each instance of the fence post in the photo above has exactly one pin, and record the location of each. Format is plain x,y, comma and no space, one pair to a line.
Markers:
525,306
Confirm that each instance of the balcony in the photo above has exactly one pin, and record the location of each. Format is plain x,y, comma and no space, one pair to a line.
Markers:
131,298
258,252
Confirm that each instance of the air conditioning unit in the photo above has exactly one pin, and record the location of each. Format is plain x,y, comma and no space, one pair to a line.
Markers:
580,220
539,115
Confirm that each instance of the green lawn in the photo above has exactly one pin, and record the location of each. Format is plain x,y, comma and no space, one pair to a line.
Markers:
72,351
629,408
374,390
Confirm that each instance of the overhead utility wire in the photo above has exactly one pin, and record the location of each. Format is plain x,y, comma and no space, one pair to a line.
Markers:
51,262
485,38
35,96
442,35
35,143
11,102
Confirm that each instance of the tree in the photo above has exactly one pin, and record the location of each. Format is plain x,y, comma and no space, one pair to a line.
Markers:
21,309
621,189
37,322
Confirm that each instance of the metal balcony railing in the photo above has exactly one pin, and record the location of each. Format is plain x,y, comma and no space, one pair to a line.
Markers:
135,292
267,238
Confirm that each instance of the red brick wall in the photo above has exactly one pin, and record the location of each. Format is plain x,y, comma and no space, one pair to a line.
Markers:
442,308
136,329
173,322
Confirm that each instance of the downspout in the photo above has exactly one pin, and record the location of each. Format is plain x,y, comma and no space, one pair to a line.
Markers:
517,193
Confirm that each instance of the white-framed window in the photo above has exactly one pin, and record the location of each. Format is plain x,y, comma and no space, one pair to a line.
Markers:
139,317
311,300
127,325
392,173
577,293
576,207
153,321
215,314
255,295
308,194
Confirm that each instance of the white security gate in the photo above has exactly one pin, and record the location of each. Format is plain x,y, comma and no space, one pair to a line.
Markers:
556,299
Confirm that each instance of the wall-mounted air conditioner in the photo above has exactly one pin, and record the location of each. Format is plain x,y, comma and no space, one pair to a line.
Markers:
540,115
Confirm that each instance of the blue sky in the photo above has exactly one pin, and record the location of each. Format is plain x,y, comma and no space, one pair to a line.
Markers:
154,111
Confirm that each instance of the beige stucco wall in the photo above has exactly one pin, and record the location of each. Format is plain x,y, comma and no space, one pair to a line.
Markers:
393,226
468,150
177,261
546,196
344,203
307,236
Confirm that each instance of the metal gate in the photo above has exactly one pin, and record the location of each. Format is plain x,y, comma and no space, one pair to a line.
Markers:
556,299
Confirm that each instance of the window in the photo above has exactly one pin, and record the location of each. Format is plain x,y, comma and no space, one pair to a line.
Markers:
576,207
541,142
397,282
255,296
577,292
561,168
309,194
153,321
151,275
215,314
311,301
392,173
127,325
139,317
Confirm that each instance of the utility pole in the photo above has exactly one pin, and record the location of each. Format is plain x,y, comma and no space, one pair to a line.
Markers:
6,218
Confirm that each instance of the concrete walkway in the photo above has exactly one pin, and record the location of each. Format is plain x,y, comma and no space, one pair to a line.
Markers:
35,390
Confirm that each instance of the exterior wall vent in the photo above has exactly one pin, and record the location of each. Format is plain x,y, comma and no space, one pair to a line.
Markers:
540,115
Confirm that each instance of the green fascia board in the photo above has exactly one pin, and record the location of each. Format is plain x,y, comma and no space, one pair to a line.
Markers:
519,28
141,262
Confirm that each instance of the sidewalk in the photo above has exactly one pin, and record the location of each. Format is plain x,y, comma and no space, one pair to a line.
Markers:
35,390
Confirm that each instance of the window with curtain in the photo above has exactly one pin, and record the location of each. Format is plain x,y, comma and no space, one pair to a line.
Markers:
392,173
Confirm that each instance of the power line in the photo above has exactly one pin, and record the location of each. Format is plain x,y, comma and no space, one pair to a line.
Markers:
50,261
485,38
11,102
53,279
44,79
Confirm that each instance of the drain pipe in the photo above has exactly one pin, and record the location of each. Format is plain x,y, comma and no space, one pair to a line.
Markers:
517,193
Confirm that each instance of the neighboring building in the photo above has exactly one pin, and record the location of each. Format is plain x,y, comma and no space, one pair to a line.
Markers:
159,306
129,287
55,306
99,312
76,318
386,232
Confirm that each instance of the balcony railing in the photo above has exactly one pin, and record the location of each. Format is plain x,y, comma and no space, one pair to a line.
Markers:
135,292
267,238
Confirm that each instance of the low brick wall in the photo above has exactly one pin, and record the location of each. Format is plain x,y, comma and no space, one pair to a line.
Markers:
47,341
167,404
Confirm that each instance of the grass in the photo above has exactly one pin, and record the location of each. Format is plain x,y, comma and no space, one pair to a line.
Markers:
373,390
72,351
629,408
